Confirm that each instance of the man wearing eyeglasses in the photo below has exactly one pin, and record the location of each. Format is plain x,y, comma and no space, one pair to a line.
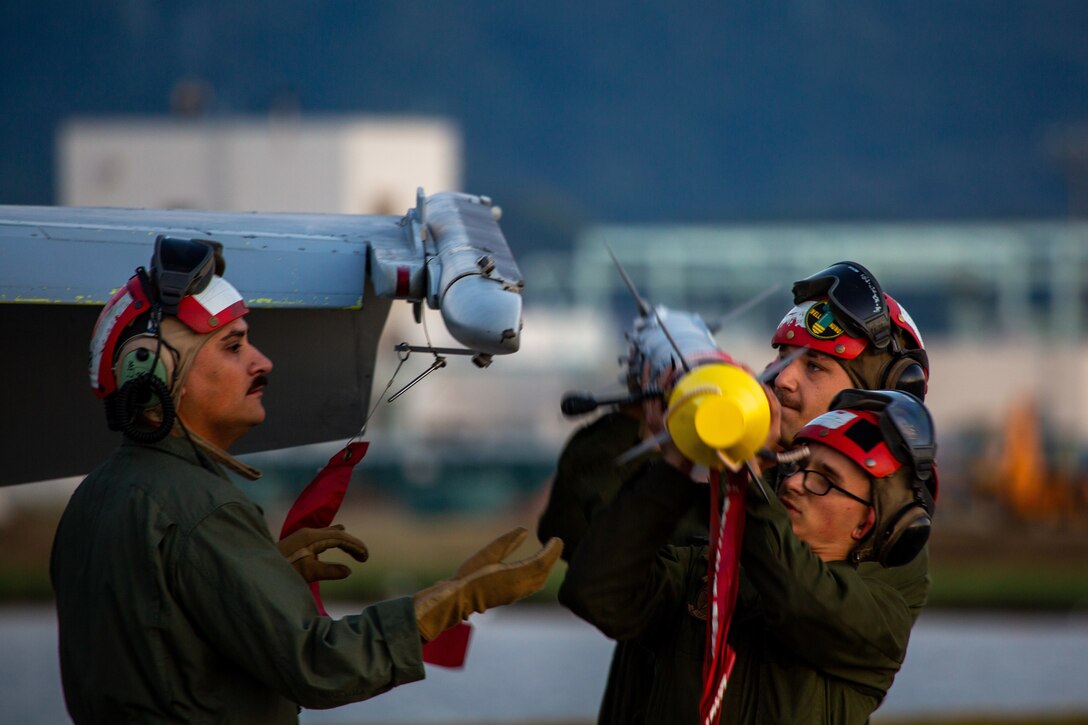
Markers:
822,618
853,335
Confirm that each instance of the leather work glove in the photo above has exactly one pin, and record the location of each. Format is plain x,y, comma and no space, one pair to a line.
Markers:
483,582
302,547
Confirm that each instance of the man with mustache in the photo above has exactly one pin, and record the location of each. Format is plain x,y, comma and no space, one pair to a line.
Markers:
851,340
173,601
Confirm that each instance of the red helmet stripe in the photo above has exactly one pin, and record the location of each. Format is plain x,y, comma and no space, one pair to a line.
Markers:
792,330
128,303
833,429
208,311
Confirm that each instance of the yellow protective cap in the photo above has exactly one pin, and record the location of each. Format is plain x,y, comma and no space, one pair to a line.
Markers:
718,410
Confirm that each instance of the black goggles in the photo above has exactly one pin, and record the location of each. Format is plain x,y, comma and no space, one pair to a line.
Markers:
905,424
181,267
855,297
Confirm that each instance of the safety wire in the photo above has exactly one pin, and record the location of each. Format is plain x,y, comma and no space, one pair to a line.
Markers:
402,355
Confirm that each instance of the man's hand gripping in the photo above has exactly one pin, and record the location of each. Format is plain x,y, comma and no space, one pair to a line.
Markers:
302,547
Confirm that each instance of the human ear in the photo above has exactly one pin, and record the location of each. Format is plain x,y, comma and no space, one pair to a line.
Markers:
866,524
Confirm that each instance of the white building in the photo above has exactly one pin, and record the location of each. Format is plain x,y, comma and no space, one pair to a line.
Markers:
349,164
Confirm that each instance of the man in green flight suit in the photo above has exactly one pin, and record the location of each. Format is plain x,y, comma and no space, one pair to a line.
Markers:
848,342
173,602
822,618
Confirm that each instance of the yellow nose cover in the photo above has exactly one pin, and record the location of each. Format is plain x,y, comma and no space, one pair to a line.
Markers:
718,416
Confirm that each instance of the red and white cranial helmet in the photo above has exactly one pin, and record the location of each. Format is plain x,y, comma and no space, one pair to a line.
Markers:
843,312
856,434
815,325
889,434
204,304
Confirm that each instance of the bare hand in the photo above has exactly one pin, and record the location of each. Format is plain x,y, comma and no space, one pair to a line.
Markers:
653,414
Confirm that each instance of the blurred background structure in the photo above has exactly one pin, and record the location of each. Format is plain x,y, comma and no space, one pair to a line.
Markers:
719,148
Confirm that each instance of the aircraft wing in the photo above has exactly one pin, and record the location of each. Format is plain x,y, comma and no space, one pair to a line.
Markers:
319,285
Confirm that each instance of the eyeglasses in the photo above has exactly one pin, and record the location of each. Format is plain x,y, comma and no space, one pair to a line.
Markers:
855,297
818,485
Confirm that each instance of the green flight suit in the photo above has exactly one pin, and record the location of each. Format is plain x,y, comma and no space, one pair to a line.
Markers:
174,605
586,480
816,642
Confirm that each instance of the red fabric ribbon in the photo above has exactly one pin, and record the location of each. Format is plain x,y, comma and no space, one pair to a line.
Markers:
316,507
723,577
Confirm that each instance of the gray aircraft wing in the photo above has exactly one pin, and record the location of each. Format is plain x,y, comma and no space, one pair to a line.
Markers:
319,286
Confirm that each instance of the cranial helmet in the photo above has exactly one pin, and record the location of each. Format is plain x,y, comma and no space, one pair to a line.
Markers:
148,334
842,311
890,435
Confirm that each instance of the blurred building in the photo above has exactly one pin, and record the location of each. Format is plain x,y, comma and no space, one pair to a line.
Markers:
289,163
1003,306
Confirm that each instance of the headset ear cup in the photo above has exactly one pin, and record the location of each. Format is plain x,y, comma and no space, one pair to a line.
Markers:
143,373
906,374
134,396
138,357
904,537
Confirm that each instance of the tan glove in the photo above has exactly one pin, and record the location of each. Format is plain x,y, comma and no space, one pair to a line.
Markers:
302,547
484,582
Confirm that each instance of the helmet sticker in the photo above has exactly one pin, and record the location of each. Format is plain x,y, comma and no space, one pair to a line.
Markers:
820,322
834,419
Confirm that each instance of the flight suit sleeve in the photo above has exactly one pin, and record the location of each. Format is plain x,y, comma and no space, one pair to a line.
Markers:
255,609
622,578
586,478
842,620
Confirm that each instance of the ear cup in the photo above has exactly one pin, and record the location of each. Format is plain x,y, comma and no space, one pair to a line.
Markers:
904,536
906,373
144,355
904,513
143,373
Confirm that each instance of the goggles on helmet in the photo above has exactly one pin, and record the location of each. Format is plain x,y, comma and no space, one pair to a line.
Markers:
906,425
881,431
180,267
821,318
854,297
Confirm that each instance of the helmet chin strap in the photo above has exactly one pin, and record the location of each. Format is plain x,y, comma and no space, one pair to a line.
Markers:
206,450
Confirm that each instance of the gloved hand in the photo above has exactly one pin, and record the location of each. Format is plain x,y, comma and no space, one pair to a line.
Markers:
483,582
302,547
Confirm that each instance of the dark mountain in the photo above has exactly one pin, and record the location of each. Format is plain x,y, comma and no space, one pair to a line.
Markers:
608,111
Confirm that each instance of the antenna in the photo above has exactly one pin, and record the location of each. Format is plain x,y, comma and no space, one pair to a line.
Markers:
643,306
644,309
744,307
779,365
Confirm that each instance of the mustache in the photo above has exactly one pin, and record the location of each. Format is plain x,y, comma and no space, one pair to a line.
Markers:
261,381
786,400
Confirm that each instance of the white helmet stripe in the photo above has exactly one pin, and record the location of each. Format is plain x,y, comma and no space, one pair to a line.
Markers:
218,296
906,320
